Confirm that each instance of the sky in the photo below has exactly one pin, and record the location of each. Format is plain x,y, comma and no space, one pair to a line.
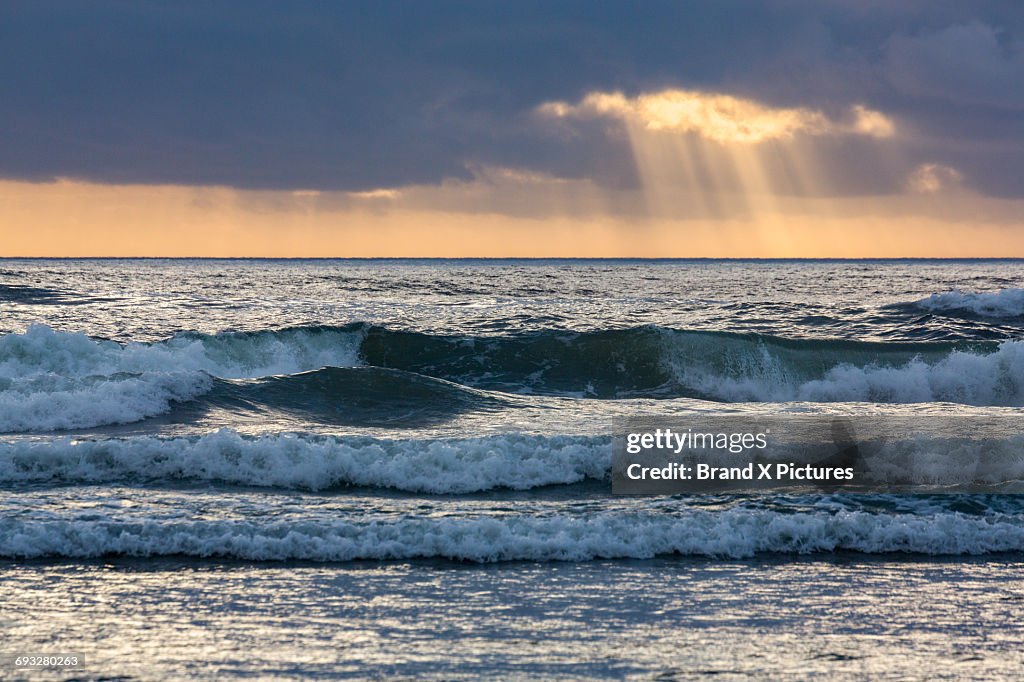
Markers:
726,128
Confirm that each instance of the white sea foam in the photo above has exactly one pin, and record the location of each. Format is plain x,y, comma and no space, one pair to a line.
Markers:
734,533
449,465
41,350
49,402
56,380
1002,303
59,380
960,376
315,463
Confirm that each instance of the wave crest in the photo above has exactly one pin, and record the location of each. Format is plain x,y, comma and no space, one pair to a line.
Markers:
1005,303
733,533
234,355
441,466
57,380
764,369
52,380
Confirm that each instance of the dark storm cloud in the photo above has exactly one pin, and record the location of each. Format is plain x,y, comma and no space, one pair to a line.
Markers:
972,63
358,95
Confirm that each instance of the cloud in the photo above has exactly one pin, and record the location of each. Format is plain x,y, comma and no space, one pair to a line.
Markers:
930,178
380,193
870,123
718,117
358,96
971,63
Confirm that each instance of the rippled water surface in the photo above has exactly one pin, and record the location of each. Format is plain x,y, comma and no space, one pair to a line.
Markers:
401,468
846,618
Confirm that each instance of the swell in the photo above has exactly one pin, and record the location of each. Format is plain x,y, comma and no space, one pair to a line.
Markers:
353,396
20,294
53,380
656,362
603,364
1004,304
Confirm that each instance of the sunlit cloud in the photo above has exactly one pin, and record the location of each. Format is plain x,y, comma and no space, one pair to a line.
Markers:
871,123
719,117
733,158
929,178
381,193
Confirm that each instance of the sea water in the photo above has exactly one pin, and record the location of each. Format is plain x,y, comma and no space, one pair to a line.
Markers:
335,468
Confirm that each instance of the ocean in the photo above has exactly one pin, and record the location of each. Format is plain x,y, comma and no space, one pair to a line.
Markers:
401,468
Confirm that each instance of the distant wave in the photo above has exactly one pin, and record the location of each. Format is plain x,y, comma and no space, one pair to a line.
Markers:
30,295
732,533
53,380
1005,303
764,369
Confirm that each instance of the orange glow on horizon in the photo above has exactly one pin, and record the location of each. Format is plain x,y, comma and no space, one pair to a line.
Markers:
66,219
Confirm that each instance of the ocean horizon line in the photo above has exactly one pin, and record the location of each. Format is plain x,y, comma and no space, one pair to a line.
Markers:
576,259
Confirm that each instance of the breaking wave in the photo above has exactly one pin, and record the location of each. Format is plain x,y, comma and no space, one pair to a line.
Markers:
733,533
1005,303
359,374
441,466
52,380
461,465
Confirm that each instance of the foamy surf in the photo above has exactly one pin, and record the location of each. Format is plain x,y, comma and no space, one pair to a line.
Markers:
52,402
41,350
291,461
1005,303
460,465
768,370
51,380
731,533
